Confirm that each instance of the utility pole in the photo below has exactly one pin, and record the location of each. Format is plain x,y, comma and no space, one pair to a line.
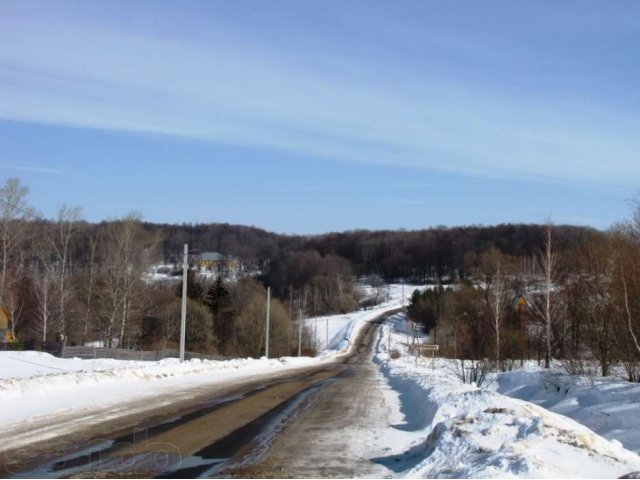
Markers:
289,327
266,343
183,316
300,332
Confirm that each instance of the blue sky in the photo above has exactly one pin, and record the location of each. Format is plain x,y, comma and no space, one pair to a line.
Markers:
312,116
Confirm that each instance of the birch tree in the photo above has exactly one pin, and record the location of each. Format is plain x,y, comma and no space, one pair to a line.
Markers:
14,211
496,290
43,276
127,252
547,304
93,246
59,239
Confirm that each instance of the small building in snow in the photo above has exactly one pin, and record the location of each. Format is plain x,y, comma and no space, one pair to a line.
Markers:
213,261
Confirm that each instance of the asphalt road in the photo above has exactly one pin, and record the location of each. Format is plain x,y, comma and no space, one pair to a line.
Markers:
302,424
333,434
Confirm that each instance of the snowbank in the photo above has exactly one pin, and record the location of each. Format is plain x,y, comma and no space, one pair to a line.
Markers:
608,406
37,385
457,430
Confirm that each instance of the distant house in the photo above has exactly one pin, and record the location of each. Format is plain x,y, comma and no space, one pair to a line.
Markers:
5,331
214,261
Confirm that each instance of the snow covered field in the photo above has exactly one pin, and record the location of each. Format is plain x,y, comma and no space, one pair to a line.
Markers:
450,429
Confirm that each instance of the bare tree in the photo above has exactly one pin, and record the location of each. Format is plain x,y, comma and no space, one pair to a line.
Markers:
59,238
496,291
592,303
635,239
628,313
547,304
43,275
15,305
13,299
248,298
93,246
13,211
627,238
199,335
626,290
127,251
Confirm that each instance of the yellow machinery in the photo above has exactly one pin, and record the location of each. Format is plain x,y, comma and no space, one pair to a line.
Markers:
5,332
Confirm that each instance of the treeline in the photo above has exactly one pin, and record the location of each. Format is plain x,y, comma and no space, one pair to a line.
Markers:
579,305
438,254
430,255
250,245
67,278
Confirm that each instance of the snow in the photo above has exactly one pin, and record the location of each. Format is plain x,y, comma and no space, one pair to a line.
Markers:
608,406
451,429
340,328
434,425
161,273
35,386
166,273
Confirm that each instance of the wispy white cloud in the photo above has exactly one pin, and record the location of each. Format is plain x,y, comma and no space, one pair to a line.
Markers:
89,75
35,169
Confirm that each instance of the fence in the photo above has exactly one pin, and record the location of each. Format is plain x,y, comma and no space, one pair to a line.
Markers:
124,354
58,349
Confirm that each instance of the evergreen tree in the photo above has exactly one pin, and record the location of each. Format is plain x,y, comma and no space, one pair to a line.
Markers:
218,297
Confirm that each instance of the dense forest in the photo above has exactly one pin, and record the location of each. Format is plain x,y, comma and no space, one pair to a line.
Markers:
418,256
